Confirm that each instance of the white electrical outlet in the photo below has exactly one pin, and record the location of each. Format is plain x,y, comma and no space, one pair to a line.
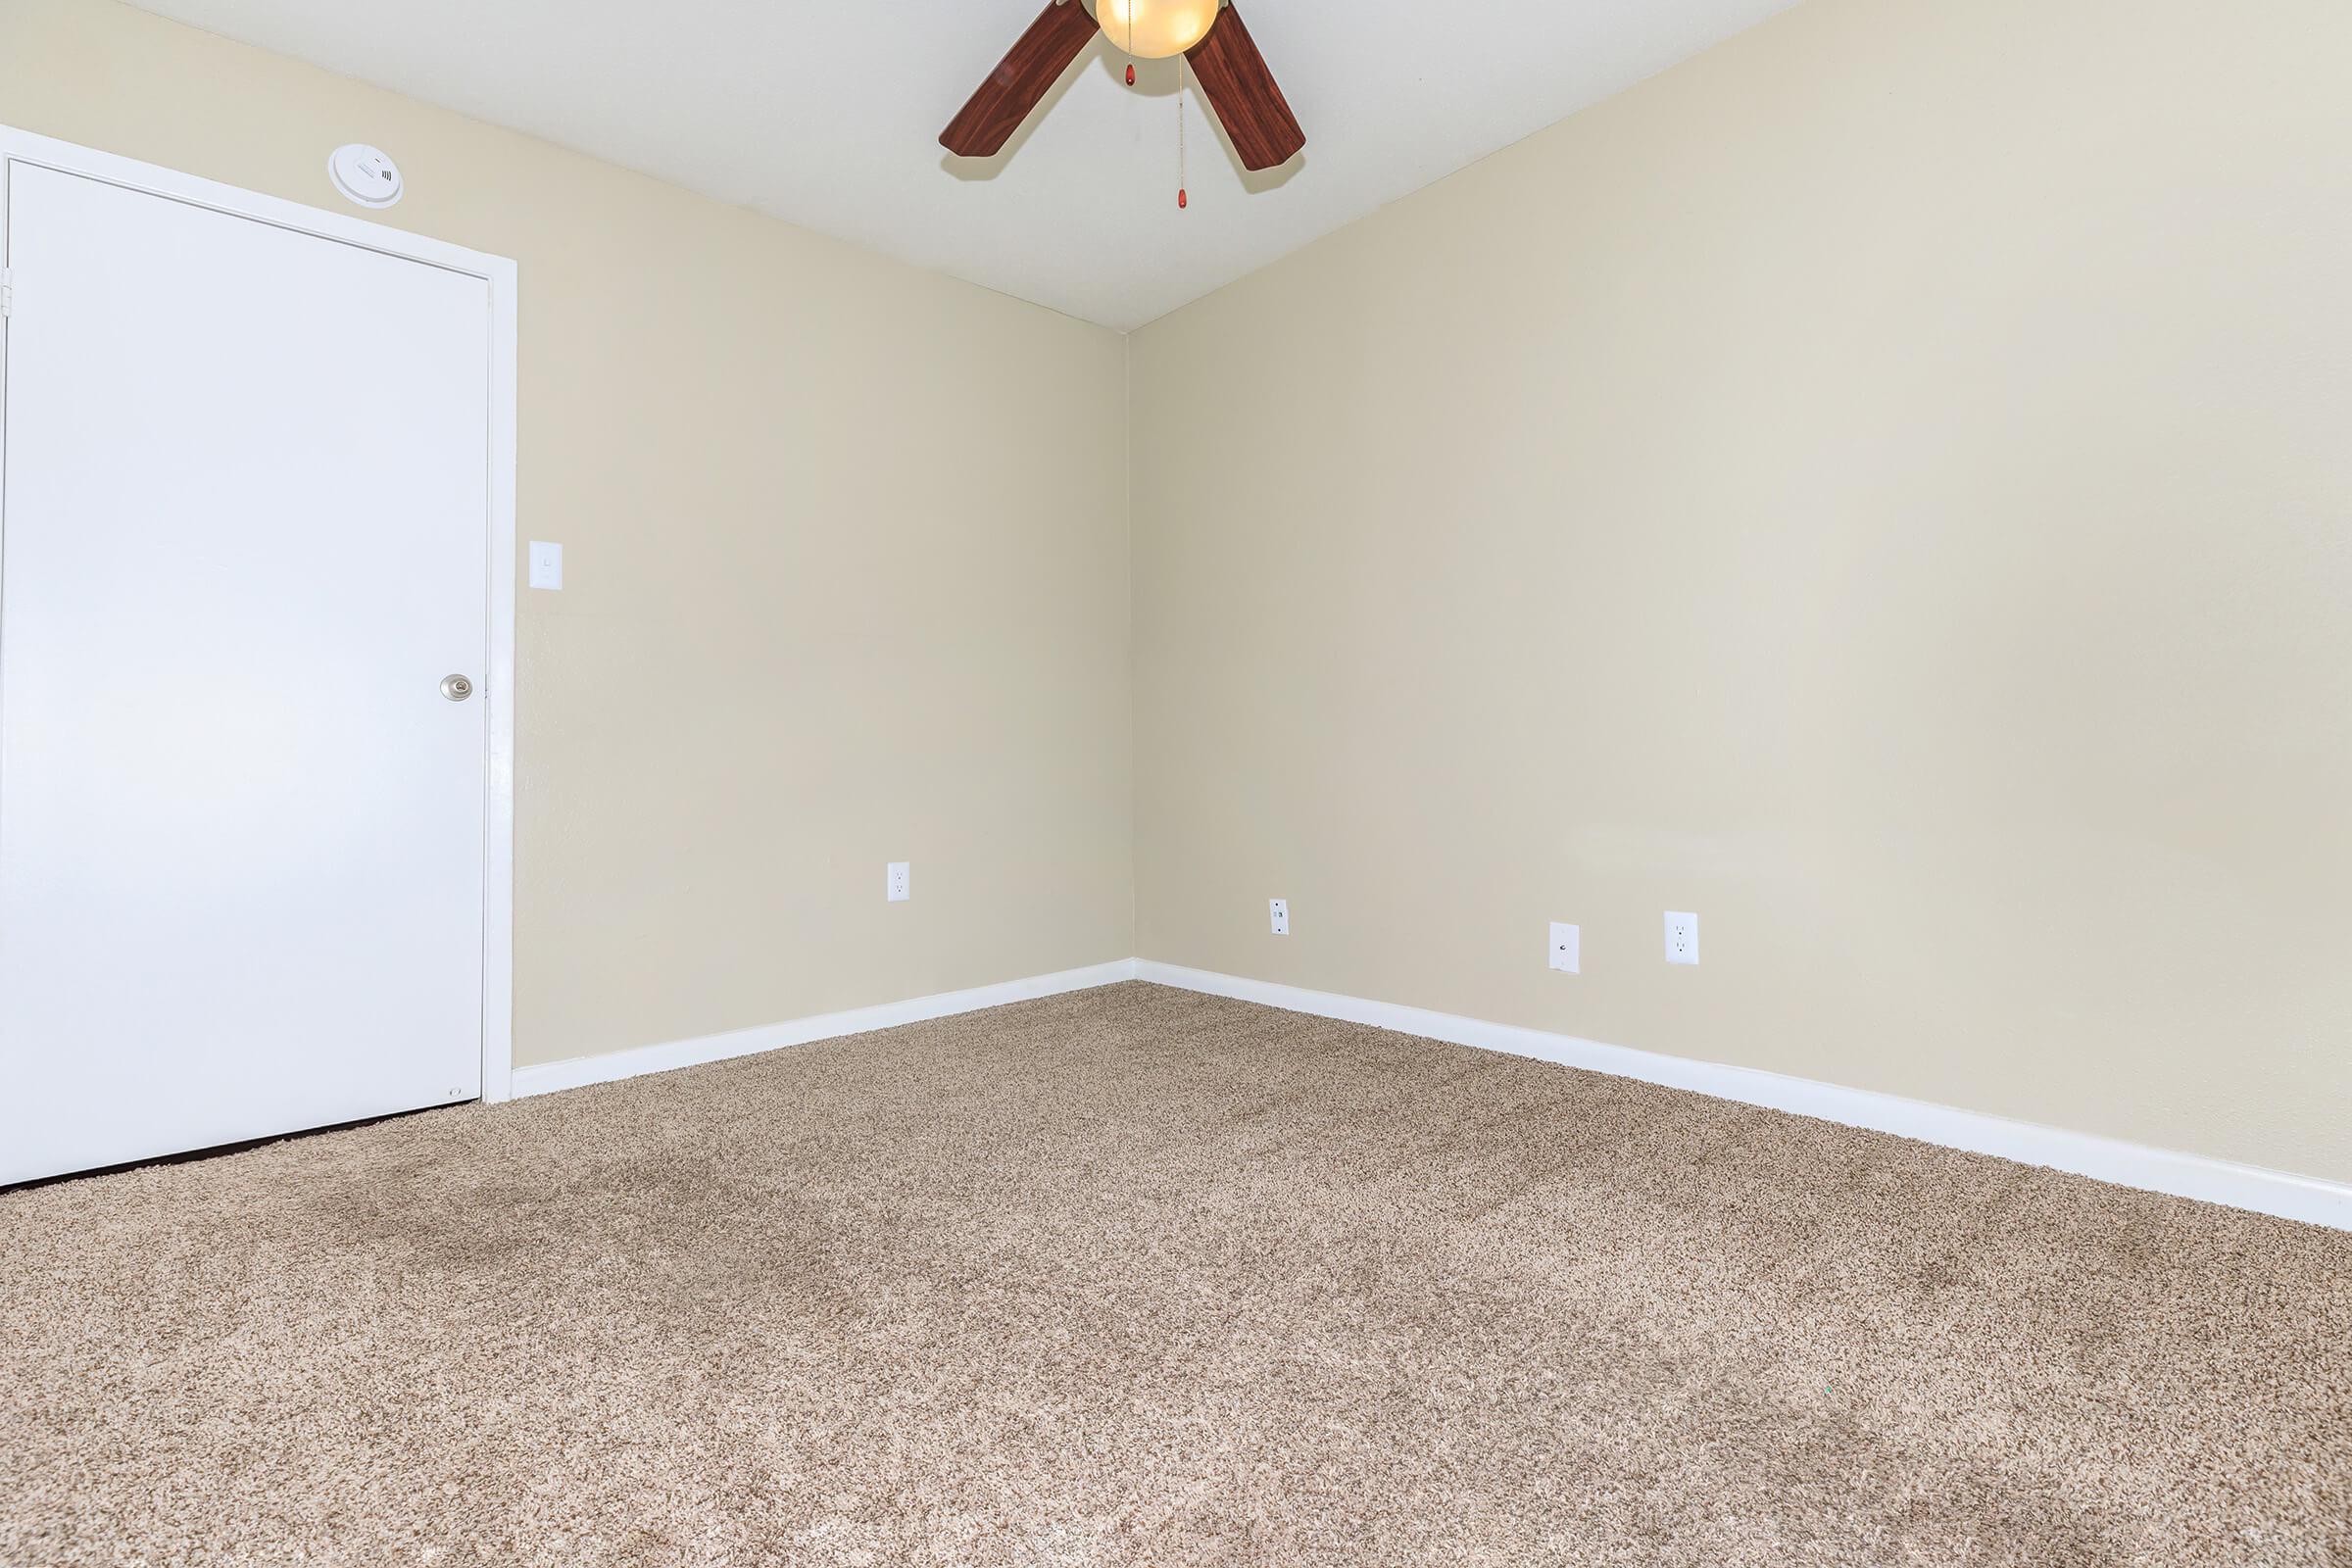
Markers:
1566,941
898,885
1682,938
1278,913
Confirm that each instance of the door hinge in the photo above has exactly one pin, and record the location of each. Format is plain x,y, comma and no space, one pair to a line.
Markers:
7,293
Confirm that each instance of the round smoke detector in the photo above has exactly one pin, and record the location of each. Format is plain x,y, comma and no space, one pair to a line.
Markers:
365,175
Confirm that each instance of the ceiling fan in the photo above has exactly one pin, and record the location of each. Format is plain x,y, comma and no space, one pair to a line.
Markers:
1208,34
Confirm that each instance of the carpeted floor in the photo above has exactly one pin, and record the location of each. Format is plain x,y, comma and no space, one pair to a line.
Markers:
1140,1277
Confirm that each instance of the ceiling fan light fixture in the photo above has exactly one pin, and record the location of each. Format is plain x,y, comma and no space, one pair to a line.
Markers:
1232,76
1154,29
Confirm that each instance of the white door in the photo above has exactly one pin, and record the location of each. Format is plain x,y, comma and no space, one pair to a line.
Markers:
243,539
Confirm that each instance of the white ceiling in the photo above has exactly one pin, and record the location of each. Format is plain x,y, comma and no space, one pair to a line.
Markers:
827,113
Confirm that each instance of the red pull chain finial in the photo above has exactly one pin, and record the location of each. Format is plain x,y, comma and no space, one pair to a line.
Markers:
1131,74
1180,196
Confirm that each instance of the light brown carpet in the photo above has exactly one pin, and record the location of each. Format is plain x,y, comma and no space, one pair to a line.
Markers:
1140,1277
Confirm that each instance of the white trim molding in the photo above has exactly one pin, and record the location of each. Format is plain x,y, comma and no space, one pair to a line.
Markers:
576,1072
499,692
2155,1170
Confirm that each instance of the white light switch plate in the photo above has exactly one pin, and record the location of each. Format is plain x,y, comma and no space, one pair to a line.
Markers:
897,884
1682,938
1566,941
1278,914
547,565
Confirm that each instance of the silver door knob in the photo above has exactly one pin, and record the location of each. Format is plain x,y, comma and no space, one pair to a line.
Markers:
457,688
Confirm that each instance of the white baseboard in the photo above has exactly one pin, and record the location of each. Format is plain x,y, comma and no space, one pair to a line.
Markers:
549,1077
2156,1171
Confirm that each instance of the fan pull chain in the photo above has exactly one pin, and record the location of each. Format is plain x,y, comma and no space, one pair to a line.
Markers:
1130,5
1182,201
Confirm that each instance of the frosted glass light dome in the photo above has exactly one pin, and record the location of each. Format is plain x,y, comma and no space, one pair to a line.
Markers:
1153,29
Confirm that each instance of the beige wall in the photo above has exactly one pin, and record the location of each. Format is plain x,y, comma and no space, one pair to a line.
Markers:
1883,485
846,551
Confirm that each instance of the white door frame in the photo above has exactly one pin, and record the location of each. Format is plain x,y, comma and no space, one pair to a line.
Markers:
498,686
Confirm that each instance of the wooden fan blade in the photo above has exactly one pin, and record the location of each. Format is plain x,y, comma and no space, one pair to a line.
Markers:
1024,77
1242,90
